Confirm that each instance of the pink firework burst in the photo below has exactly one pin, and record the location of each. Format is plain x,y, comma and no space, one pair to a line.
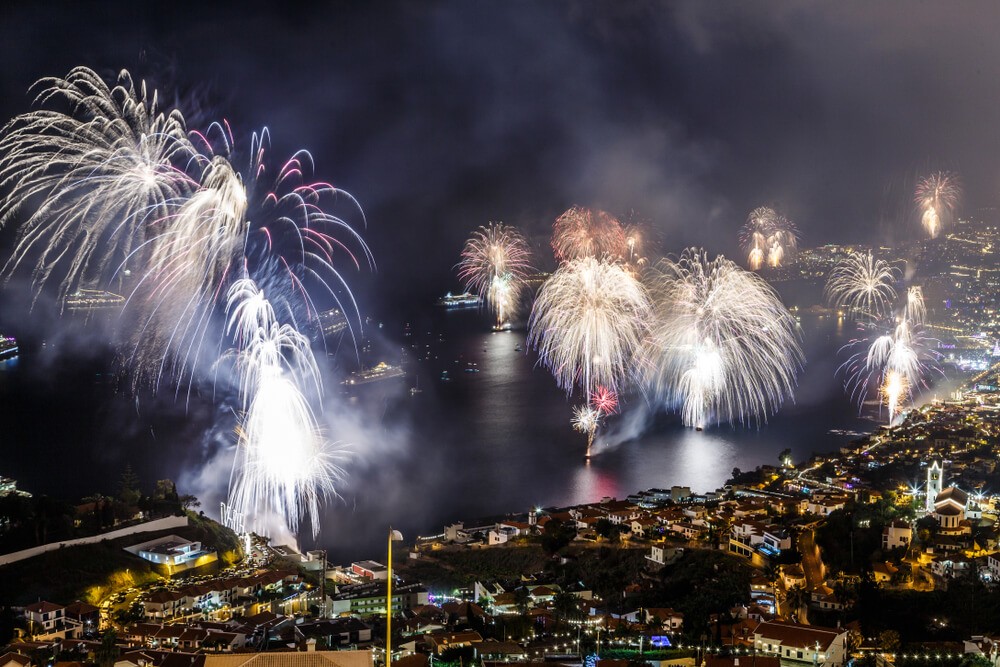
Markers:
604,400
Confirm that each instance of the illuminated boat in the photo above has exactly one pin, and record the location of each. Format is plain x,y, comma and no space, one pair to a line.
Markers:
381,371
92,299
332,322
8,347
455,301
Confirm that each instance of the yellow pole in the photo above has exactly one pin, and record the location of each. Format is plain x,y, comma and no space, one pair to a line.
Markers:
388,608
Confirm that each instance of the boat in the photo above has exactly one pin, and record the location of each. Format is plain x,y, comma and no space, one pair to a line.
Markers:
92,299
445,377
457,301
380,371
332,322
471,368
518,348
8,347
415,389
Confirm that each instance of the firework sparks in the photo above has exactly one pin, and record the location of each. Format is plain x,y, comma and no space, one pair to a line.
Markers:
862,284
604,400
115,183
286,468
105,170
581,232
495,261
915,311
721,345
768,237
896,362
936,197
587,323
586,420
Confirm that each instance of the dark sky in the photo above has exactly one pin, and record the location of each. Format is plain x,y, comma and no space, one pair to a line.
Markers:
442,116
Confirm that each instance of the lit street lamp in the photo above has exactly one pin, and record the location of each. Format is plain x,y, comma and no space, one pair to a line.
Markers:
394,535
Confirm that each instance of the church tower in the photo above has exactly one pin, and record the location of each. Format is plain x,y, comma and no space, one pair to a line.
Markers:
935,482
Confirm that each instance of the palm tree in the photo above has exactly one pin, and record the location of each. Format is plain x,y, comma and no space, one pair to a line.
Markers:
798,599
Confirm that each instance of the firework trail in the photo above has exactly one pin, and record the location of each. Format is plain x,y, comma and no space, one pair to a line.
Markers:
587,324
105,167
114,184
896,362
586,420
915,311
863,285
494,263
936,197
768,238
581,232
285,467
721,344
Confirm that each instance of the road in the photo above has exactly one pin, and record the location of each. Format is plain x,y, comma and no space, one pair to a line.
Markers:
812,560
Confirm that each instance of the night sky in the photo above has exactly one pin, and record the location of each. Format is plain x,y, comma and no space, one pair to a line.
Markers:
443,116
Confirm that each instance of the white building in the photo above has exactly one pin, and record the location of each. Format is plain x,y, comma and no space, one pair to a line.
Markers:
896,534
935,483
802,643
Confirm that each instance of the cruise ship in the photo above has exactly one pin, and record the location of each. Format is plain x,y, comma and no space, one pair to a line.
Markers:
332,322
381,371
8,347
92,299
454,301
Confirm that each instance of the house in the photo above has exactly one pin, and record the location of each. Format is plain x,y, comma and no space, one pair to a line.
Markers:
793,575
46,620
884,572
439,641
802,643
896,534
307,658
14,660
369,569
734,661
643,525
670,620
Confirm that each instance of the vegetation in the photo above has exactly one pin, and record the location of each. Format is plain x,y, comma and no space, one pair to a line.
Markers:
90,572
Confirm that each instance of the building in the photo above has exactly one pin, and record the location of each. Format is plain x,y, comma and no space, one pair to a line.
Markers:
935,482
46,620
896,534
370,569
369,599
802,643
175,552
308,658
949,509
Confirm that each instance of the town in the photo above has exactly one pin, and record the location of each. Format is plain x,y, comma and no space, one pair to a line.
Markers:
886,550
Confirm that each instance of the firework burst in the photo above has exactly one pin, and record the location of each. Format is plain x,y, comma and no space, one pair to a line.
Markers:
115,184
604,400
863,285
494,263
721,346
587,323
582,232
105,168
936,197
285,467
768,238
895,362
586,420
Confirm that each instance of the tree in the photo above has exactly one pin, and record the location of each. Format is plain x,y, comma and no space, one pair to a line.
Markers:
128,491
565,605
188,501
888,641
798,600
107,653
521,599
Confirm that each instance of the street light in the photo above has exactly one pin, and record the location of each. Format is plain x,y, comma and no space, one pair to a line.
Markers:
394,536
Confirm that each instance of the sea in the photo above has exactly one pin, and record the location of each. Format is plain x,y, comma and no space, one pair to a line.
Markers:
475,429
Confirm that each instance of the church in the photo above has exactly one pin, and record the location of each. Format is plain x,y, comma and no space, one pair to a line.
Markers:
948,506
